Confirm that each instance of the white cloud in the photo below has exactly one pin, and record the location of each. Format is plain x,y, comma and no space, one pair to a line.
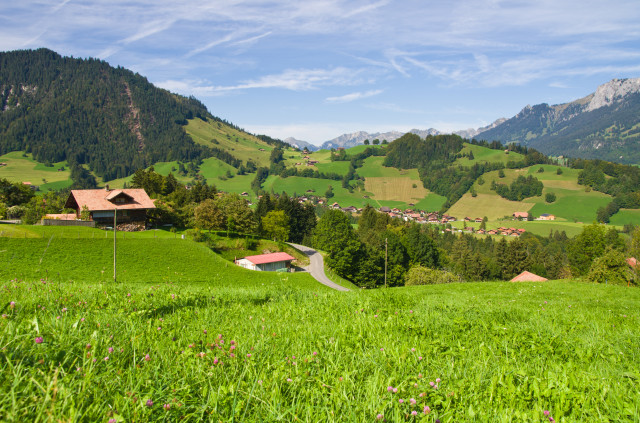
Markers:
353,96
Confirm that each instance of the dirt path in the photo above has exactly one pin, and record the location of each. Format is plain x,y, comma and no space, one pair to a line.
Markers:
316,267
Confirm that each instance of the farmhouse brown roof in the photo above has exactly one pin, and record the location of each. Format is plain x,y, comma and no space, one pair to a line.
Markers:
99,199
269,258
528,277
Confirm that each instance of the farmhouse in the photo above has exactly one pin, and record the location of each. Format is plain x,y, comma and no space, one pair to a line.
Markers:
521,215
131,205
266,262
546,216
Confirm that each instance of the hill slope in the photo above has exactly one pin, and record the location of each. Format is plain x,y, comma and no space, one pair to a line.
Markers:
110,119
604,125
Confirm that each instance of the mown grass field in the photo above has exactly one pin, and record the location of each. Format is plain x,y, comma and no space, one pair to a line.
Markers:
26,169
396,189
245,346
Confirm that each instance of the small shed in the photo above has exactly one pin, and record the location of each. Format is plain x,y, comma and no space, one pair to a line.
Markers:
528,277
266,262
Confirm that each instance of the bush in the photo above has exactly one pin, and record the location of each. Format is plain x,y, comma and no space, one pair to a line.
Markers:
550,197
610,268
419,275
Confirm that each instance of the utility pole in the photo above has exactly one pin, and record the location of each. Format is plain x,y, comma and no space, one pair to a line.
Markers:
385,261
115,213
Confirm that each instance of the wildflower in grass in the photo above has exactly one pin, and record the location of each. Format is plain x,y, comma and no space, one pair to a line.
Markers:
426,409
415,385
106,358
204,331
432,384
112,420
88,346
39,340
249,355
12,304
167,407
159,328
82,320
215,360
110,350
381,349
64,310
149,403
546,413
414,413
413,401
438,380
289,380
413,350
314,353
147,358
401,401
395,390
389,388
419,357
379,417
4,316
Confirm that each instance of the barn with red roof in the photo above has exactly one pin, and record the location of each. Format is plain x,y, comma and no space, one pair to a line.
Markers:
266,262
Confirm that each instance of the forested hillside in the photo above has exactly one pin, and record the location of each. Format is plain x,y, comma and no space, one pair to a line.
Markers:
89,113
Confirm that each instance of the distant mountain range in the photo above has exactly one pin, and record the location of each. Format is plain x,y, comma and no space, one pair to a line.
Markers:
603,125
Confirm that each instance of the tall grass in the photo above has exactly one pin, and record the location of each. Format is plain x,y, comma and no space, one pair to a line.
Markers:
193,352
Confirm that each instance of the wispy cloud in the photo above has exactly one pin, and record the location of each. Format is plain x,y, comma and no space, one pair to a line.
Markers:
292,79
347,98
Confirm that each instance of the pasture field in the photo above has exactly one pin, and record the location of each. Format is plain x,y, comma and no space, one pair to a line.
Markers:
254,351
484,154
396,189
491,205
625,216
573,203
372,167
26,169
538,227
239,144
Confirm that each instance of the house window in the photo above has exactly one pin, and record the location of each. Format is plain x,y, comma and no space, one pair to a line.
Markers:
120,200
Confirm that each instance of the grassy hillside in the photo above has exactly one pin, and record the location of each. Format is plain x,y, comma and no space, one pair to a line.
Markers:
86,255
25,169
240,349
573,203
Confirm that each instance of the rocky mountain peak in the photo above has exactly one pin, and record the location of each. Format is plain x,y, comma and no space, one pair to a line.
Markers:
608,93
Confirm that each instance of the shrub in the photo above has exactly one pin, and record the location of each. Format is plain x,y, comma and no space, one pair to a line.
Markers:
550,197
419,275
610,268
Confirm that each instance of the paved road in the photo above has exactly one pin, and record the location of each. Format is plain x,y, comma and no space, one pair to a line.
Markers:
316,267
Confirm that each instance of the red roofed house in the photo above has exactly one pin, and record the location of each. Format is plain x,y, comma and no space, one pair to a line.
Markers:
266,262
131,204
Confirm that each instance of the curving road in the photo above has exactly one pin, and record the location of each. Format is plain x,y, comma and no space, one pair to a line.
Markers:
316,267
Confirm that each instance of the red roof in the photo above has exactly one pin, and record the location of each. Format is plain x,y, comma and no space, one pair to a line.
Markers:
528,277
99,199
269,258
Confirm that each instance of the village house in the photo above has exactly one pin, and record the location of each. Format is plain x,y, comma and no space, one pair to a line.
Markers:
130,205
266,262
546,216
521,215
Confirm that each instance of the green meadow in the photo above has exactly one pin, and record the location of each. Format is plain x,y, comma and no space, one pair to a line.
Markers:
186,336
26,169
484,154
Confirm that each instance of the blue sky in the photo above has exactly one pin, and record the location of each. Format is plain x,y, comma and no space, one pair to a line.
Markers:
316,69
